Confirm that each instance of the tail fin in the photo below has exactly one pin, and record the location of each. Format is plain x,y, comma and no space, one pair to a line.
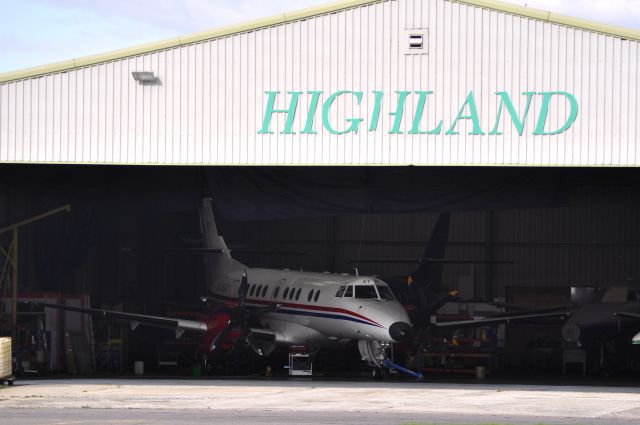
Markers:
219,263
425,284
430,273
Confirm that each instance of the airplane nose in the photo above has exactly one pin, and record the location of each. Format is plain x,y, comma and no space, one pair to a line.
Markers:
400,331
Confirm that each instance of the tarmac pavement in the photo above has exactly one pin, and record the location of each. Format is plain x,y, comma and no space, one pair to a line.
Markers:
133,401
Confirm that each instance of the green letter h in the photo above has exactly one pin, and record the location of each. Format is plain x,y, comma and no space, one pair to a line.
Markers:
291,112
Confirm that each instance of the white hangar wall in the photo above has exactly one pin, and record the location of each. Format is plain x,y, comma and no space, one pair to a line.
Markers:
210,101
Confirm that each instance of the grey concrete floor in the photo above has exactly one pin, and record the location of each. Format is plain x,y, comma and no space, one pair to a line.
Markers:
146,401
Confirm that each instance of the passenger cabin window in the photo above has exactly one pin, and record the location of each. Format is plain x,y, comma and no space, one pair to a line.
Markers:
258,290
253,288
264,290
292,293
366,292
275,291
286,291
298,294
315,299
310,295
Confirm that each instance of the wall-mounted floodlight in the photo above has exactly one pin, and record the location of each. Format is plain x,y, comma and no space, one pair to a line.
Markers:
144,76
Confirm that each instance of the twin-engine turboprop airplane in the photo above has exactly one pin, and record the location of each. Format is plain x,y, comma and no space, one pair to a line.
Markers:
292,307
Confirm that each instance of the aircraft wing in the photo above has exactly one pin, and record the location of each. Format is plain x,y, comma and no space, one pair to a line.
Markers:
630,315
499,319
180,325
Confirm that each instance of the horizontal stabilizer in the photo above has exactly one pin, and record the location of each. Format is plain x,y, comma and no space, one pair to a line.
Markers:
430,260
240,250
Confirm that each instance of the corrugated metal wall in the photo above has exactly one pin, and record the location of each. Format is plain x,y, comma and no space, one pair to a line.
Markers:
593,242
210,101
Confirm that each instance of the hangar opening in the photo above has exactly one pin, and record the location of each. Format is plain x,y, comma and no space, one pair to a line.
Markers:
478,163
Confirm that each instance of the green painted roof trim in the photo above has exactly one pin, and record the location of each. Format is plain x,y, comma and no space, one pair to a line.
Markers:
303,14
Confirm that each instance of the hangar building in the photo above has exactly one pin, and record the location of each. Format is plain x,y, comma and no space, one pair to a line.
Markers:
522,123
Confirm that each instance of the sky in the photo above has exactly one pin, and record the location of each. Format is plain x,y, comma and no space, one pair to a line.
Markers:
39,32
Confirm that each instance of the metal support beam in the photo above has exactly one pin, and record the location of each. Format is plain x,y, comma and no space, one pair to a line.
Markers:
11,256
333,235
489,254
14,289
38,217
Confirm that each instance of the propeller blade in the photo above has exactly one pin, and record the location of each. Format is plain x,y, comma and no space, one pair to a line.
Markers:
243,289
222,335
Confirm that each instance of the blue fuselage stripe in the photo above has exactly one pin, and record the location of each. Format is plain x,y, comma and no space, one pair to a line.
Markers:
323,315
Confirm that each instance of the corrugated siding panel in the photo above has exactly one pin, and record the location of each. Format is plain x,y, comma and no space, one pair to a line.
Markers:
209,104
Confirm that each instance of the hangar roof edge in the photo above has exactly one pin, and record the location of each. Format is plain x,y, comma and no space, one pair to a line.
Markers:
499,6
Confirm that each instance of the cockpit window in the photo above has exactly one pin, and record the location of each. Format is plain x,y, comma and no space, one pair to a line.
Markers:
385,292
366,292
348,293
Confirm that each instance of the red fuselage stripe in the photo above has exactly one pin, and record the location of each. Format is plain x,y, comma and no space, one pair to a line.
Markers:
300,306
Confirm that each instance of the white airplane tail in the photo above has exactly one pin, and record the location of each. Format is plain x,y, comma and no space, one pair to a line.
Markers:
218,261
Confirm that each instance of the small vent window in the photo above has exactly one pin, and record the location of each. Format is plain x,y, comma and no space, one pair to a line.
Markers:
416,41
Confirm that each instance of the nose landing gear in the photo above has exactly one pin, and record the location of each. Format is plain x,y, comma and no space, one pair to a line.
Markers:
375,353
378,373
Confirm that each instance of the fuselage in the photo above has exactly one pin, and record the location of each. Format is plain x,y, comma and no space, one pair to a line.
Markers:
599,320
318,309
